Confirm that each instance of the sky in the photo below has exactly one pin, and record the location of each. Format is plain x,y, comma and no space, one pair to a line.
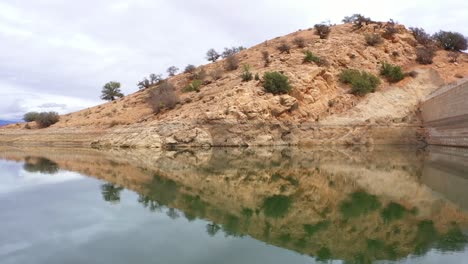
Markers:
55,55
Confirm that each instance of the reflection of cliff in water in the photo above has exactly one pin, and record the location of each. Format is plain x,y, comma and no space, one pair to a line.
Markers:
353,204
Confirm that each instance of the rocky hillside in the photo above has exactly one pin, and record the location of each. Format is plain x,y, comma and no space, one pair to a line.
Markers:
229,112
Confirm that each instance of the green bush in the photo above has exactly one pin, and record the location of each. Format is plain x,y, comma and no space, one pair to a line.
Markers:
310,57
373,39
30,116
276,83
246,74
257,77
361,82
451,40
391,72
46,119
194,86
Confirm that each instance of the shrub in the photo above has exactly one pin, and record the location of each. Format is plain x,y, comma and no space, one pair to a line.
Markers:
232,63
199,74
46,119
154,79
361,82
451,40
246,74
212,55
299,42
190,68
310,57
39,164
276,83
231,51
323,30
162,97
284,48
194,86
216,74
358,20
172,70
412,74
424,55
453,56
111,91
257,77
373,39
391,72
43,119
421,36
390,30
30,116
266,57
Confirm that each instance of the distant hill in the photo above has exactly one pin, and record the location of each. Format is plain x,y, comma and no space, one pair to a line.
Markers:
6,122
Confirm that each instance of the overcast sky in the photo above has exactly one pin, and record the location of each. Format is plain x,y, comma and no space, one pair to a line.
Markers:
55,55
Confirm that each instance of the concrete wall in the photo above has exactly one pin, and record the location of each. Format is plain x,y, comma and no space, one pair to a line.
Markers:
445,115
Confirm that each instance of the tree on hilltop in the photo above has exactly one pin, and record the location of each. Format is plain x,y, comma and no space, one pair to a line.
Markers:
111,91
212,55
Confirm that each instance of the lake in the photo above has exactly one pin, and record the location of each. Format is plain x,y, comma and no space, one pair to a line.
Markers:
262,205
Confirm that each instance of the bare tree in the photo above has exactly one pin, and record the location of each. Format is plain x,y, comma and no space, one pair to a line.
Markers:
172,70
212,55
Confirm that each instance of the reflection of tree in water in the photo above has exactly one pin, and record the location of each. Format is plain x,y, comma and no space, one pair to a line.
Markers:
172,213
39,164
111,193
212,229
160,191
353,216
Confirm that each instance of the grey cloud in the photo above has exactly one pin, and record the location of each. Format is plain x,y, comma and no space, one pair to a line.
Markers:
52,105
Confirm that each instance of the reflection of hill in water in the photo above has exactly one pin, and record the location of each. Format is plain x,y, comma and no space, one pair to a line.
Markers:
351,204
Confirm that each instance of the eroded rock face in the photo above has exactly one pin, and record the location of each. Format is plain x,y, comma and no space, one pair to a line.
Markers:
164,135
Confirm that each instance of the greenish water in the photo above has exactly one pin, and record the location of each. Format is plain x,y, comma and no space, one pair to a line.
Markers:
283,205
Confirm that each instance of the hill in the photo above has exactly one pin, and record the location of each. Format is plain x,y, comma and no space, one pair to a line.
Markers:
226,111
6,122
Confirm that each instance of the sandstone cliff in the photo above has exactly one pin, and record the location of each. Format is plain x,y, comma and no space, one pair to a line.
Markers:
229,112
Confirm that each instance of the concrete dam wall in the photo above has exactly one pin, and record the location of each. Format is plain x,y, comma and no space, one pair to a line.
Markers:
445,115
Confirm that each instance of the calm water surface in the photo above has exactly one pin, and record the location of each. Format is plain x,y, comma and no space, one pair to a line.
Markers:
290,205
